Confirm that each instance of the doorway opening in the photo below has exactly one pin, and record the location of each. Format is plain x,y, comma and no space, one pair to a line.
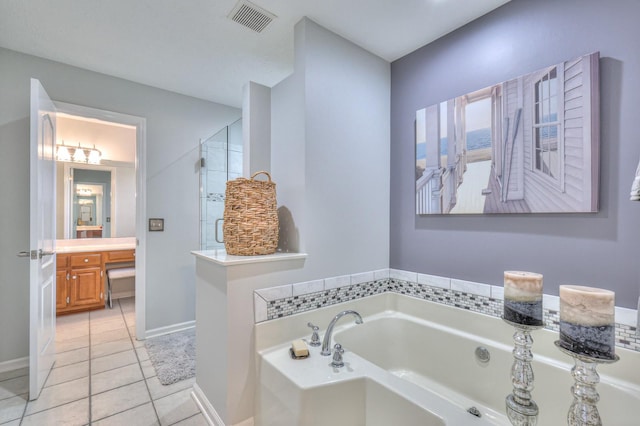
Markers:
105,199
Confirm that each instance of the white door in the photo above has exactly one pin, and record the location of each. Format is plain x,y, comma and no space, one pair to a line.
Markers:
42,238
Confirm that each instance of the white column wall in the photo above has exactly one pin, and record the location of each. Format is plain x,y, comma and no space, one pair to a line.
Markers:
330,152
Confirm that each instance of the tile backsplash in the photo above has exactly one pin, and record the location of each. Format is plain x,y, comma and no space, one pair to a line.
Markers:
277,302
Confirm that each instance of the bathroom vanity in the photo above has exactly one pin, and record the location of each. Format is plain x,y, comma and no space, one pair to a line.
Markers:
81,271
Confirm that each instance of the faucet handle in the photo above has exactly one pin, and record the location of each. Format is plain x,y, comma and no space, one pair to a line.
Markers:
315,338
337,356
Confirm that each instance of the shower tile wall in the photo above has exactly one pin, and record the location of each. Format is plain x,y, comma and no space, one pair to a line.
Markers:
222,153
234,153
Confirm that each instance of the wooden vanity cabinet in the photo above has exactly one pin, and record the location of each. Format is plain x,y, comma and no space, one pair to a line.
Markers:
79,282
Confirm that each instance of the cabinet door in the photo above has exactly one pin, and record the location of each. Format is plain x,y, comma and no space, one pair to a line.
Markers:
61,290
86,287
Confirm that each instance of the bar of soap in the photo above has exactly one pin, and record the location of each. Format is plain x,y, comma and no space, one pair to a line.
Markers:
299,348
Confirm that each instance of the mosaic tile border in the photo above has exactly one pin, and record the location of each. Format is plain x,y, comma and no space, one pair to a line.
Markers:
284,302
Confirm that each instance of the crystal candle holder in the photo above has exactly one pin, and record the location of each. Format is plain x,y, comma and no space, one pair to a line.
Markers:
584,410
522,410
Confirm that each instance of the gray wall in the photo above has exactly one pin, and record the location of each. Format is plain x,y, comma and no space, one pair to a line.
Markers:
330,153
522,36
175,123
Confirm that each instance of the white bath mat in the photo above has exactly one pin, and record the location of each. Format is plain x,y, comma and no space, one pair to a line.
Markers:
173,355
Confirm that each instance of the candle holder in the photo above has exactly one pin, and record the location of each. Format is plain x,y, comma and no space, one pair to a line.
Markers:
584,410
522,410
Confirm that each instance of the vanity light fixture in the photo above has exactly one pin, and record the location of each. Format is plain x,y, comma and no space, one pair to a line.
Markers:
63,153
79,154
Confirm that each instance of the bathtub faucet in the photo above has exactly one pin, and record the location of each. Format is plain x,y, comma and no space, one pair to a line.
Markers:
326,343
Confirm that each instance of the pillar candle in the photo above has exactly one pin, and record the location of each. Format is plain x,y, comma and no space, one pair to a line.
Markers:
523,297
587,321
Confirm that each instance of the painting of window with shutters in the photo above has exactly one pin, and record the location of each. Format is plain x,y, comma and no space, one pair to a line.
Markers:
527,145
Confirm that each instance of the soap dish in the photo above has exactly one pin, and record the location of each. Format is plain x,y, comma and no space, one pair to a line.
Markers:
293,356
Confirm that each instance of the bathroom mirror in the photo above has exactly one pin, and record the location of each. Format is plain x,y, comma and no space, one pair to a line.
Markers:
95,201
99,198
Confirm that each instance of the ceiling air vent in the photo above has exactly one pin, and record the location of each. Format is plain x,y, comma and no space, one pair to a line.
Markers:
251,16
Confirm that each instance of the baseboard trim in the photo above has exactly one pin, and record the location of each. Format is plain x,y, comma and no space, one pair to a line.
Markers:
14,364
169,329
208,412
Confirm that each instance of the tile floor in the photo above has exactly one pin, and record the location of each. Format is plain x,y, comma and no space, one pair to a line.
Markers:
102,376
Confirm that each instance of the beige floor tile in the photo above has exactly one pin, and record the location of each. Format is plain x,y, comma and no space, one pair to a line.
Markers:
144,415
127,304
112,379
79,318
109,336
72,323
109,362
132,331
72,344
105,314
143,355
197,420
100,326
67,373
137,343
12,408
108,348
118,400
14,387
147,369
71,357
13,423
71,332
159,390
72,414
176,407
61,394
14,373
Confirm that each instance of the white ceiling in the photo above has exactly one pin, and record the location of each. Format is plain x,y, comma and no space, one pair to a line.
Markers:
191,47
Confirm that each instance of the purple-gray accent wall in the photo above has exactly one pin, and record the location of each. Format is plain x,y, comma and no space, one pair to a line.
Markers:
600,249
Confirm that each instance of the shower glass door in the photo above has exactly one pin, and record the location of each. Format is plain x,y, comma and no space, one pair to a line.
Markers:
221,160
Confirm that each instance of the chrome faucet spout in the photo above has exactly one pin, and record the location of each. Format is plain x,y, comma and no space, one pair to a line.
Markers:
326,343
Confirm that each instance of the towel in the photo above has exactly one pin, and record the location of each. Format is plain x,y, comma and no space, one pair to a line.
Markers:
635,187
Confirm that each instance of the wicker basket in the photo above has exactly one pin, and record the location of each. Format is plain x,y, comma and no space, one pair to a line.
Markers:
250,216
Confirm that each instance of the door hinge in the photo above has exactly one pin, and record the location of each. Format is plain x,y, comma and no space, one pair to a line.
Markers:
202,162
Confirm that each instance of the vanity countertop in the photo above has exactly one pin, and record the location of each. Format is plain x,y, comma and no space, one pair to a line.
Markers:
90,227
95,244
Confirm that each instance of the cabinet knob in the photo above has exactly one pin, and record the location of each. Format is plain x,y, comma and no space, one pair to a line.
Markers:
86,260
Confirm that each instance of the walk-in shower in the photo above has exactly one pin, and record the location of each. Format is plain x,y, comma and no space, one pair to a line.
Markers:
221,160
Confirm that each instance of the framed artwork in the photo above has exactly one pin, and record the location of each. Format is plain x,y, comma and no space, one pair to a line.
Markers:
526,145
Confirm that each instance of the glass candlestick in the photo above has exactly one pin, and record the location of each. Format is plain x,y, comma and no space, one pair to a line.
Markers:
584,410
522,410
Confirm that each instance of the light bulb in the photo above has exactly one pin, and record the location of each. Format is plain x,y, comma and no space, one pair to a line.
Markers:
79,156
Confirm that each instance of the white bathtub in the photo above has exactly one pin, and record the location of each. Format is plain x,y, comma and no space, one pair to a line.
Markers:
413,362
